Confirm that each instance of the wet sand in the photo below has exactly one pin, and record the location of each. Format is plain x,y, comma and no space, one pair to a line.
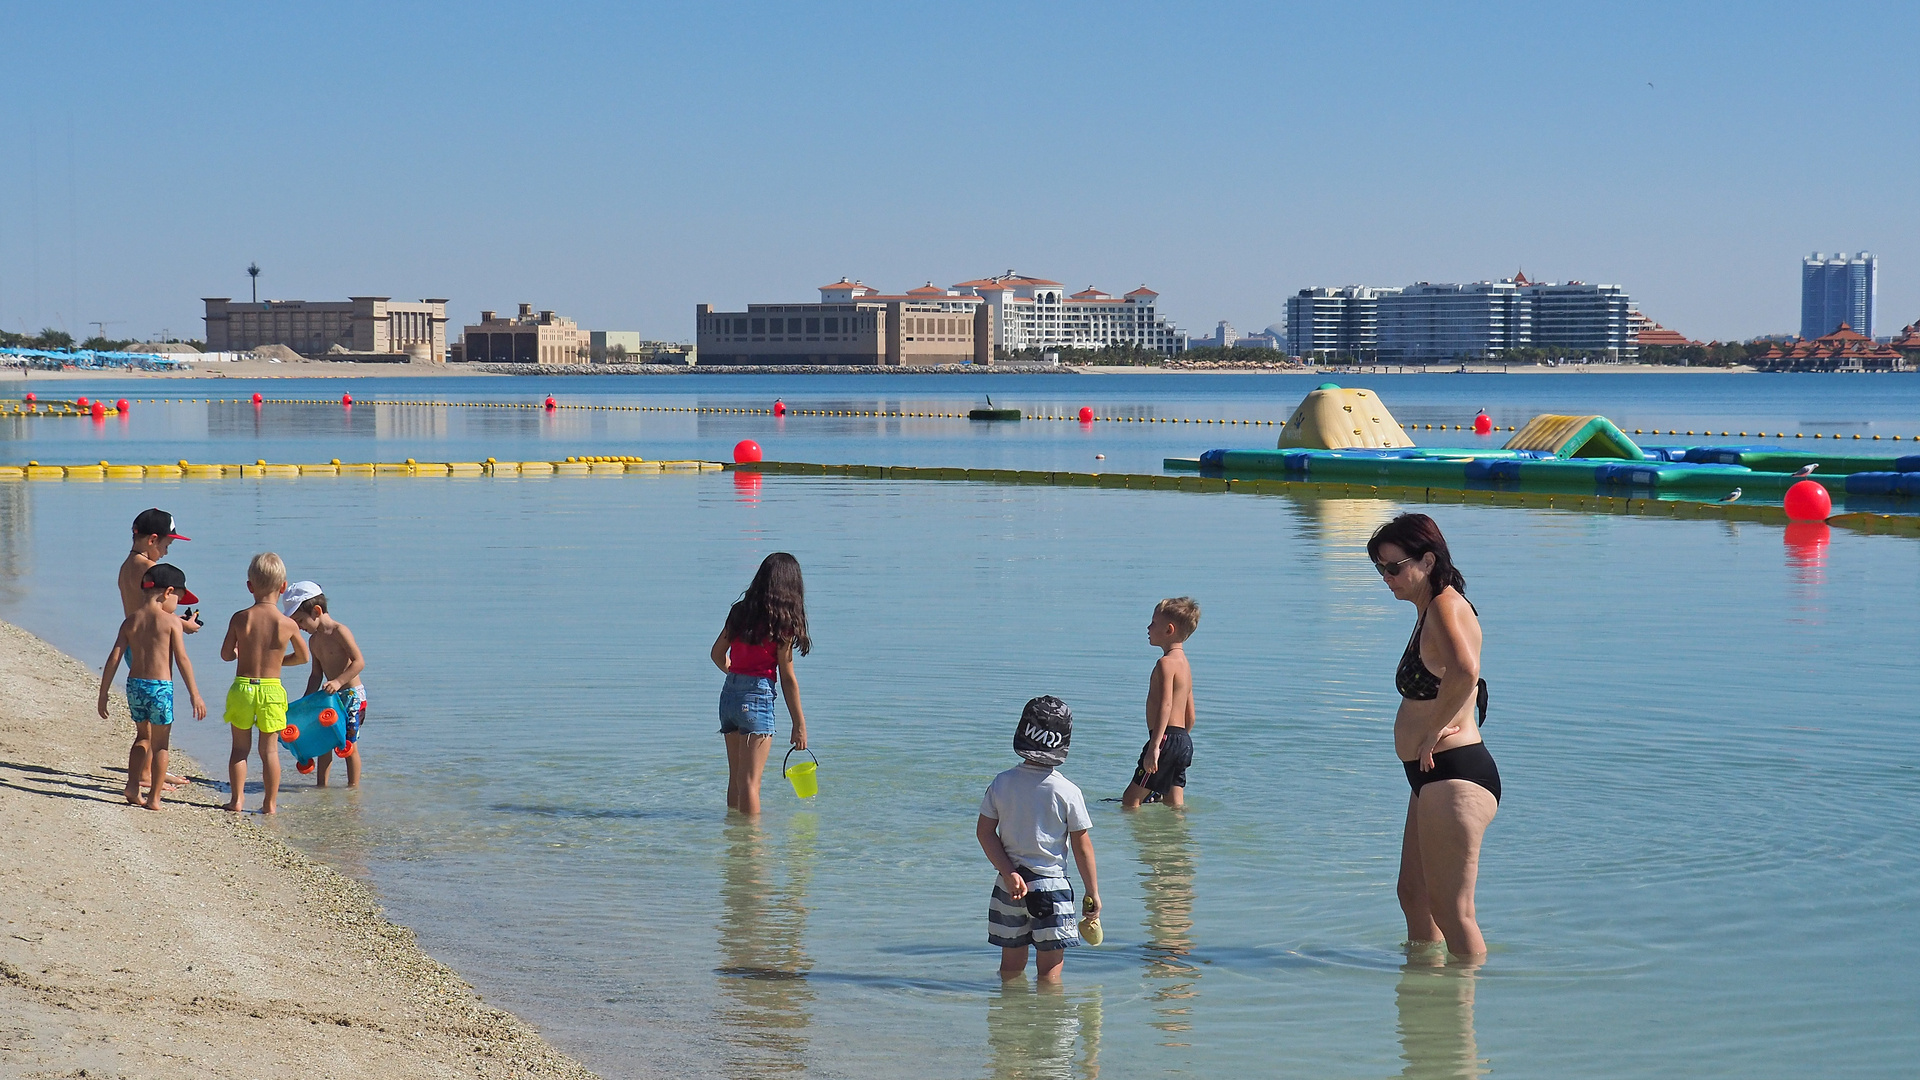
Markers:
193,942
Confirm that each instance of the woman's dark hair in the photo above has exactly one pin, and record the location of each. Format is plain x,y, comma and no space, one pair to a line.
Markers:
774,607
1417,535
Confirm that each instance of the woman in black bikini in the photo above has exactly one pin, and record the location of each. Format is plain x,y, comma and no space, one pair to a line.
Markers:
1456,788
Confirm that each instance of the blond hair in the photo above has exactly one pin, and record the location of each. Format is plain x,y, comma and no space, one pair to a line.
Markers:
1182,612
266,571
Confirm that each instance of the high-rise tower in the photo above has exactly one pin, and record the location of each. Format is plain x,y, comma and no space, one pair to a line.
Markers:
1835,290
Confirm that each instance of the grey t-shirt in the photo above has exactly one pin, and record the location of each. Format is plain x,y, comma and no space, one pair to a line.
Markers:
1036,808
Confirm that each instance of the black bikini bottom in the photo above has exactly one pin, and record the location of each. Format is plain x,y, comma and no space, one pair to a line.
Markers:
1470,762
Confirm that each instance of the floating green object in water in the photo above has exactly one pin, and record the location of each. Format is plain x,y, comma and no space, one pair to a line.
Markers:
991,413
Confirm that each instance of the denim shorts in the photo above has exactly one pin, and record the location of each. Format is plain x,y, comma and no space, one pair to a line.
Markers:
746,705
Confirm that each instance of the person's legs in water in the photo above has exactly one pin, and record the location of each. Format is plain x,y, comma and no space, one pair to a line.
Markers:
1047,964
1013,962
1412,888
1452,816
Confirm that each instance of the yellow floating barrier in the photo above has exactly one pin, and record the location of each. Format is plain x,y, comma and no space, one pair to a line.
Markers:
431,468
125,472
163,472
358,469
320,470
13,472
204,472
391,468
84,472
466,468
572,468
536,468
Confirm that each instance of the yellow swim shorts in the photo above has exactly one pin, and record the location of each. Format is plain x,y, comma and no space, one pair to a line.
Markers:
257,703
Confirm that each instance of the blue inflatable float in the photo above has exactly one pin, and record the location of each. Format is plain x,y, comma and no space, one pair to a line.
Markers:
316,724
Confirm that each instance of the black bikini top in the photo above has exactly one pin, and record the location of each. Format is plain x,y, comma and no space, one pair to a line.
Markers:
1416,683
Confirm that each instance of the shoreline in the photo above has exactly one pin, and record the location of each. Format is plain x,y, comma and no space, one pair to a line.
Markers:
196,943
333,369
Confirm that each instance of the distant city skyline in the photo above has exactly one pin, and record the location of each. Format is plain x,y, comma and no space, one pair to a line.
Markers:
628,162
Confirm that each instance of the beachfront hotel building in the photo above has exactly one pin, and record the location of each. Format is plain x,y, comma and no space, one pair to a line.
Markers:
315,328
968,323
1837,289
525,338
1592,319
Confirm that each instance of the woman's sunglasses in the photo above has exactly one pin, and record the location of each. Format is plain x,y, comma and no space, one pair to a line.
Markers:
1391,569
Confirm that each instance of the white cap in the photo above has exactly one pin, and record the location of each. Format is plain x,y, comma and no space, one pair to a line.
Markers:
298,593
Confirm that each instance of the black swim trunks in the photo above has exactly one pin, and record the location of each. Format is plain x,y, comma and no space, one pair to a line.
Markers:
1176,753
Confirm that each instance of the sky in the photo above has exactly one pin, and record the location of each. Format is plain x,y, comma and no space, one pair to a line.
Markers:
620,163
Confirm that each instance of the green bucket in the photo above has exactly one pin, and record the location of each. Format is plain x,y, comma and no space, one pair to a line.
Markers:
805,777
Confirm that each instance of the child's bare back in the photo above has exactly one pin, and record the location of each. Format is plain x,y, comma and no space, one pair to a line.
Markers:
1162,771
257,639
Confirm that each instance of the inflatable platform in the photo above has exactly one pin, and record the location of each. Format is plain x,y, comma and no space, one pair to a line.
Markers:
1560,453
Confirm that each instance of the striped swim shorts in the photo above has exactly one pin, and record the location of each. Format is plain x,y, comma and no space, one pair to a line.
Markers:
1045,918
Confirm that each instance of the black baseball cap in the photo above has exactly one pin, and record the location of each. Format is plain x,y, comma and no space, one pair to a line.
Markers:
1046,729
156,522
168,576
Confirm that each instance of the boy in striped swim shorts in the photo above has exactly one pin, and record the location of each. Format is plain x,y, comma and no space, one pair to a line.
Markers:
1029,818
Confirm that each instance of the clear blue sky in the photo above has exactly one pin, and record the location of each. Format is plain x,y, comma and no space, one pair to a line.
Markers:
621,163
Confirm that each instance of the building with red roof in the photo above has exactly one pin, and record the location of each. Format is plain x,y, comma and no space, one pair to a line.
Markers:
1846,349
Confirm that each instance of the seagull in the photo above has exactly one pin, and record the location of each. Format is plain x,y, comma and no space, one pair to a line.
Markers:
1731,495
1806,470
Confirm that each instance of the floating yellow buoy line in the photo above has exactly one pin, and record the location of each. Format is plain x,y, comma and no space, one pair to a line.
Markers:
576,466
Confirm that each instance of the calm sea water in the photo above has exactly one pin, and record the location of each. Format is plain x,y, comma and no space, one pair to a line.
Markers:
1702,867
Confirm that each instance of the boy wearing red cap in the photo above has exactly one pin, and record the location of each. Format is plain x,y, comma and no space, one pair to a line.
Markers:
153,640
152,535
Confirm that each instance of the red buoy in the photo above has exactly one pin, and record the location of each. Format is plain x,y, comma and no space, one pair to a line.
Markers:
1086,414
99,410
1483,424
746,450
257,399
120,406
31,398
1808,500
779,407
550,404
347,400
80,403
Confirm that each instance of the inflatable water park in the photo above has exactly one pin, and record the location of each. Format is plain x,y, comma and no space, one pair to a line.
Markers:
1340,434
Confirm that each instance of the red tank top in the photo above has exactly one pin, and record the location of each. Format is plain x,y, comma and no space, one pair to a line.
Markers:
762,659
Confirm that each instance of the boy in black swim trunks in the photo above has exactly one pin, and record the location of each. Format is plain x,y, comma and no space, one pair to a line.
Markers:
1162,772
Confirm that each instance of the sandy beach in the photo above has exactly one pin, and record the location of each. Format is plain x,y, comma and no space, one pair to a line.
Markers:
193,942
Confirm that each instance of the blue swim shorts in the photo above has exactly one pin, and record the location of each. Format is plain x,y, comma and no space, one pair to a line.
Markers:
746,705
150,700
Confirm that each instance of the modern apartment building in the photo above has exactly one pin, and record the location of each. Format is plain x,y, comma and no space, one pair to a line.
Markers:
1335,322
1427,321
361,324
1588,318
525,338
1837,289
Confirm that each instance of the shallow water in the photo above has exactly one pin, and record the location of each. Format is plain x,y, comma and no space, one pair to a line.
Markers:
1702,866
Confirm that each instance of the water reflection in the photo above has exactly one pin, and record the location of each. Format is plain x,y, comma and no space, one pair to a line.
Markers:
1167,861
766,1004
1032,1032
1807,550
16,532
1435,1001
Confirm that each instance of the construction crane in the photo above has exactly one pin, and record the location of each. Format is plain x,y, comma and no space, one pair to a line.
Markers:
100,326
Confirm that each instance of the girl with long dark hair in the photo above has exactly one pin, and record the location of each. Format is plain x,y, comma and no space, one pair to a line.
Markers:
763,630
1456,787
